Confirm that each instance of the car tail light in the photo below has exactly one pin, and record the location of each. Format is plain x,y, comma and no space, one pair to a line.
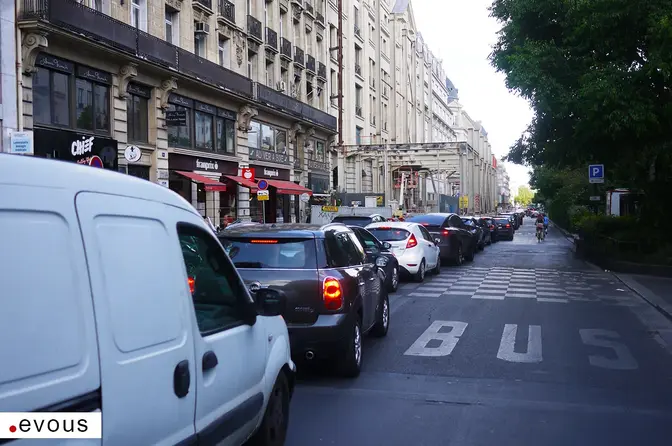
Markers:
332,294
411,242
445,232
384,227
492,226
192,284
508,225
425,224
264,242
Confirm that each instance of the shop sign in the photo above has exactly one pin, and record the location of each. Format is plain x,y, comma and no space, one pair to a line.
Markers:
273,173
132,154
270,173
21,143
248,173
269,156
316,165
329,208
79,148
188,163
206,165
176,118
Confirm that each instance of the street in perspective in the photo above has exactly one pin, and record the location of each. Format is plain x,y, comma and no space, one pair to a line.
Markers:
526,345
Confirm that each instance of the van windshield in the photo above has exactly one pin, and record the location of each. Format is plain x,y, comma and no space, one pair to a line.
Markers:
265,253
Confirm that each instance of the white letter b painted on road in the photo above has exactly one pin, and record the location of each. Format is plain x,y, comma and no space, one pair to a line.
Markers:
447,341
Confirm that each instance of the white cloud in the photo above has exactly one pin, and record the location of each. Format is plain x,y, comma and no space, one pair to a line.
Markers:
462,33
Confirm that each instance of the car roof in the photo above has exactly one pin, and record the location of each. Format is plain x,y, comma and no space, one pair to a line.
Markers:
282,230
357,216
392,224
30,171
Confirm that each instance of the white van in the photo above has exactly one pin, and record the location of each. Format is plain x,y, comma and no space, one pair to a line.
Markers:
116,296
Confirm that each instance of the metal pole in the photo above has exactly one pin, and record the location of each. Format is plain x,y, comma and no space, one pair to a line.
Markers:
263,212
340,75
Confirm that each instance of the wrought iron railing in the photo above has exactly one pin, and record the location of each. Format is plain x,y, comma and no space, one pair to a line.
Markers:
254,27
227,10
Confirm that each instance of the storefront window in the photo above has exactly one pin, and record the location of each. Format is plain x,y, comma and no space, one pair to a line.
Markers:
51,97
92,106
226,135
204,133
180,136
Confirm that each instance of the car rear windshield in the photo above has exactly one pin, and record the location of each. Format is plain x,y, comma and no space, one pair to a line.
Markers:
502,221
433,220
353,221
390,234
468,222
266,253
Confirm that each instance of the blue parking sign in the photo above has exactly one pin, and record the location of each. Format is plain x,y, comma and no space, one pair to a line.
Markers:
596,173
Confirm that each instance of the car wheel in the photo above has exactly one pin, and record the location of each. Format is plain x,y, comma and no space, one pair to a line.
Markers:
470,257
394,280
273,428
420,275
437,268
379,330
459,255
351,363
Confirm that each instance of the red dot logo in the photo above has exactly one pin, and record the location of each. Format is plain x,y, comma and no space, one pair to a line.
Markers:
12,429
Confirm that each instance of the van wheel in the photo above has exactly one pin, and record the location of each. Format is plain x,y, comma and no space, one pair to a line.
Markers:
273,428
351,360
379,330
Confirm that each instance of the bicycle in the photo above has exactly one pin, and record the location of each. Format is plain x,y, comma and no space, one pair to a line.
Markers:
540,232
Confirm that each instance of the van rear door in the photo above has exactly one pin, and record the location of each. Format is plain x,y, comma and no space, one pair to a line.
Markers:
47,312
145,337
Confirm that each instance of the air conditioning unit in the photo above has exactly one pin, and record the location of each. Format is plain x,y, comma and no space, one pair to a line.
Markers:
201,28
282,86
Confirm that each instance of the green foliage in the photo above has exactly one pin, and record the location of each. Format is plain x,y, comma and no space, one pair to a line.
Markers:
597,74
524,196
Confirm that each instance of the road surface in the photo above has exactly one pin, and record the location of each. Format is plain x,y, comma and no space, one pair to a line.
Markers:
524,346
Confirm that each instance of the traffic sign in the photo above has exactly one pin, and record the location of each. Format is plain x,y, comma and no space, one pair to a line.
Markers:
262,195
596,173
262,185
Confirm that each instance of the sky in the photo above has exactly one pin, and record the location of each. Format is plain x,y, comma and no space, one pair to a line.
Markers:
461,33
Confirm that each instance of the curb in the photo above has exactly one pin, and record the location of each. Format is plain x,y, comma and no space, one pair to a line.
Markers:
649,296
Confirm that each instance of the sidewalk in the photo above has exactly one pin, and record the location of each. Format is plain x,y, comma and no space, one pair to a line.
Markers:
655,290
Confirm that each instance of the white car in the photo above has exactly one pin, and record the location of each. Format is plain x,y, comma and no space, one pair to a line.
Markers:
412,245
117,297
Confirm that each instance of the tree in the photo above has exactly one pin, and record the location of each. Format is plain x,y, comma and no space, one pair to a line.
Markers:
597,74
524,196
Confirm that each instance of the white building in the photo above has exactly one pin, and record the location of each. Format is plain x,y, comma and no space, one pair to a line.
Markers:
503,185
196,90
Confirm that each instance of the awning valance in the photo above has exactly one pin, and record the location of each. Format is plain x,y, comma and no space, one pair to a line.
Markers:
210,184
288,188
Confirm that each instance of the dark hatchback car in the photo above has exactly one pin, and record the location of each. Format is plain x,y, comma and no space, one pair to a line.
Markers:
379,253
334,294
476,228
512,219
504,228
455,240
489,223
359,220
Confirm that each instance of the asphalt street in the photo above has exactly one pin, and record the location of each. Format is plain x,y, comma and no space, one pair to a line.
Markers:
524,346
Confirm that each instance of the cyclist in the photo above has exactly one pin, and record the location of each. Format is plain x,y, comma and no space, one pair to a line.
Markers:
545,224
540,226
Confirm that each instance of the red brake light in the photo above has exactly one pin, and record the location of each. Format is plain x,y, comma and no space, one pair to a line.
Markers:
492,226
446,232
508,225
384,227
425,224
192,284
332,294
264,242
411,242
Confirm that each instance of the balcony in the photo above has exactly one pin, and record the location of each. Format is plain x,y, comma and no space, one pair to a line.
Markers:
295,107
310,63
254,29
299,57
271,40
309,9
226,12
319,18
358,33
70,17
285,49
358,111
321,71
284,6
204,6
358,70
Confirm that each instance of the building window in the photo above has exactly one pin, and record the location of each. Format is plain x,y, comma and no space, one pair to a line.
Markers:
139,14
319,151
71,96
51,97
199,44
214,129
172,26
268,138
137,104
358,135
224,48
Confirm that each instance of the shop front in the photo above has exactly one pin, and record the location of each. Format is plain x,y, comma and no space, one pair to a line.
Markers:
282,195
203,182
80,148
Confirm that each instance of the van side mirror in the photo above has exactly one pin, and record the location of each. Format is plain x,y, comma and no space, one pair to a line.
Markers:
386,245
270,302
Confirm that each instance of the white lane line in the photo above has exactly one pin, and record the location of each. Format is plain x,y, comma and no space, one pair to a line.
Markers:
488,297
549,294
552,299
521,296
458,293
426,294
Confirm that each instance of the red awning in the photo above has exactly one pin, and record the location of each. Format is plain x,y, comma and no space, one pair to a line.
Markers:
251,185
210,184
288,188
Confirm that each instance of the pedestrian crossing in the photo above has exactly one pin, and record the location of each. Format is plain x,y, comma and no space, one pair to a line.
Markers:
539,284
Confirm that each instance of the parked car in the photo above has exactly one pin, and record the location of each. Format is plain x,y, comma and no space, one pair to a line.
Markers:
456,242
413,246
128,308
504,228
334,293
379,253
489,226
512,219
359,220
474,226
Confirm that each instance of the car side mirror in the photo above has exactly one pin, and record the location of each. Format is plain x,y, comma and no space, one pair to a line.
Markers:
270,302
386,245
